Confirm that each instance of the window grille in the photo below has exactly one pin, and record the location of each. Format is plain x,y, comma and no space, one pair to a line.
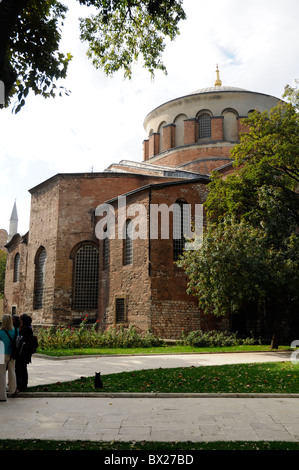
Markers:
40,279
181,227
204,126
86,272
119,310
128,255
16,272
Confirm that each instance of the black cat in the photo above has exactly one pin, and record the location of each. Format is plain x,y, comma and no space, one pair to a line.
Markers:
98,381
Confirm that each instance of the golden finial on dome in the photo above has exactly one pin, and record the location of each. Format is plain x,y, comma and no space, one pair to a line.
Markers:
218,82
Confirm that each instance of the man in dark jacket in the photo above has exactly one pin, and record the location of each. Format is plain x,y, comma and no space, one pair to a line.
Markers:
25,357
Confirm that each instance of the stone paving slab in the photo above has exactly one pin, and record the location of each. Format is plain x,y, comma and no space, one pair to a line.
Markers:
156,419
146,417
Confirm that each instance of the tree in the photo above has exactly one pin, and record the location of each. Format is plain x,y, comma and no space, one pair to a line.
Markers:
29,48
121,30
266,174
235,267
250,252
118,32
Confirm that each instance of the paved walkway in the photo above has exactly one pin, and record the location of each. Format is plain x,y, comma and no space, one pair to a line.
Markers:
150,418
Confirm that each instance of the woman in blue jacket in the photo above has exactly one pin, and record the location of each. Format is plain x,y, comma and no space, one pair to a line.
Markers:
6,363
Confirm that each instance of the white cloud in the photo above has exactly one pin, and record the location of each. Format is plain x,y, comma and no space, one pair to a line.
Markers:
101,122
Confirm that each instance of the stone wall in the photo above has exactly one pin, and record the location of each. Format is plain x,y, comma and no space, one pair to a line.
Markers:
172,308
129,282
14,299
62,217
202,158
153,287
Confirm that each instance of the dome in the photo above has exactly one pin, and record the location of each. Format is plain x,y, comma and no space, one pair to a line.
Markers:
196,131
215,89
214,99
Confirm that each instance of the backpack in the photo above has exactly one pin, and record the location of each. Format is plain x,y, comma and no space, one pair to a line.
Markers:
17,345
32,344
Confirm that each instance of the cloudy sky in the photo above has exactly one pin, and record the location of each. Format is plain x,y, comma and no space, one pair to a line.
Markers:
255,44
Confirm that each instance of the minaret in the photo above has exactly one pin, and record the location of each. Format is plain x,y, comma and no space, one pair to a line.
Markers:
13,222
218,82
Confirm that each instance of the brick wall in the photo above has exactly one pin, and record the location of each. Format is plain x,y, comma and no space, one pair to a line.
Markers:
62,217
190,157
131,282
217,128
42,233
168,137
172,308
190,131
242,127
153,287
13,294
154,144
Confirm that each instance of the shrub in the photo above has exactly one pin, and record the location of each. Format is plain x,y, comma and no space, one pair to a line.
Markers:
86,336
214,338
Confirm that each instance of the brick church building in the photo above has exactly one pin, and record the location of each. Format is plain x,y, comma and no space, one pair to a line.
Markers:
61,269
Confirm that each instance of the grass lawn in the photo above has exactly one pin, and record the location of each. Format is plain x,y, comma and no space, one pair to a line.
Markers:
167,447
274,377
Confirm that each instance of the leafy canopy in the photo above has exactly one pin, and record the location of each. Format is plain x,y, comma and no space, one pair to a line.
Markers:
34,56
235,266
122,30
118,33
263,188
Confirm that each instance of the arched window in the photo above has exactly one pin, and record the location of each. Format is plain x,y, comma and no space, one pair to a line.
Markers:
40,264
86,275
16,268
204,126
128,244
179,129
230,125
181,227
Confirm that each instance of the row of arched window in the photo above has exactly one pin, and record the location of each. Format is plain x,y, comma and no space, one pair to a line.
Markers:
204,118
87,260
85,276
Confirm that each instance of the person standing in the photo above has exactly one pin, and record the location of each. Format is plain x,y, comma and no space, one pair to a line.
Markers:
6,362
16,321
25,357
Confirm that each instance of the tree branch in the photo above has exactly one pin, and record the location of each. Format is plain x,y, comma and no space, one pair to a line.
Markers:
9,12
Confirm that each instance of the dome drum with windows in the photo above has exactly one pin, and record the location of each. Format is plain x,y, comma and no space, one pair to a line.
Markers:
204,124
